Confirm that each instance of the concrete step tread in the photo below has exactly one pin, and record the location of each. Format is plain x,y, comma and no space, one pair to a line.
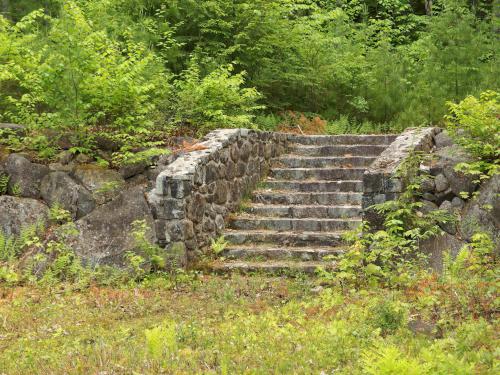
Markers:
315,181
300,211
313,186
276,252
318,169
261,218
295,238
270,266
343,138
306,157
277,247
265,205
336,150
275,192
348,145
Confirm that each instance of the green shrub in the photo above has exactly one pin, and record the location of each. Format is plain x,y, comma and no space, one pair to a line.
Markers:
475,124
215,101
66,75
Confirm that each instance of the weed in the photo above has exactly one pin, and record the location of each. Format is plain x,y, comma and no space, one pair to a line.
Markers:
219,245
4,183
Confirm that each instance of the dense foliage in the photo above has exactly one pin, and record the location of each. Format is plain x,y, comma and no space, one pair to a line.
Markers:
134,69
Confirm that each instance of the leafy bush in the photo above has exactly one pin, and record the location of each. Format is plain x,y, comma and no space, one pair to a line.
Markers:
475,124
63,74
215,101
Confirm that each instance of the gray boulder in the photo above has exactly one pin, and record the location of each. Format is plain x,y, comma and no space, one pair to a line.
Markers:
25,176
447,159
451,226
441,183
457,203
18,213
131,170
483,213
435,248
443,140
428,206
105,234
59,187
105,184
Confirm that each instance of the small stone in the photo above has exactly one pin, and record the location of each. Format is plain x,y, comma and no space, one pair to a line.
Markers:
83,159
429,197
451,226
444,196
317,289
428,206
64,157
441,183
457,203
131,170
443,140
446,205
219,223
427,185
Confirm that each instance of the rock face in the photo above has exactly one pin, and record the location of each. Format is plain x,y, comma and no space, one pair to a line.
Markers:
105,234
447,158
25,176
443,140
483,213
59,187
105,184
435,248
18,213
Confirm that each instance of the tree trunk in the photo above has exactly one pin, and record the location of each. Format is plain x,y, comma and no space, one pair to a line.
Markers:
5,8
428,7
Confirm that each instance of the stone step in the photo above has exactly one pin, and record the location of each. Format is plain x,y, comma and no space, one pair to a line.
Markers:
271,197
287,224
316,186
303,211
270,252
323,140
271,267
317,173
323,162
286,238
340,150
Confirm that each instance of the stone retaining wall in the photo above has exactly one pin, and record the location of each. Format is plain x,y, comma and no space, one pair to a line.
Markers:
196,192
383,180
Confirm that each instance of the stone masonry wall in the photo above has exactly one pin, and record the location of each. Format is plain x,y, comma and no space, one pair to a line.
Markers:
196,192
381,181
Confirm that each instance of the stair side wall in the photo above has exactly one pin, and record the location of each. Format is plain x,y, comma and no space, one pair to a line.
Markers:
384,180
196,193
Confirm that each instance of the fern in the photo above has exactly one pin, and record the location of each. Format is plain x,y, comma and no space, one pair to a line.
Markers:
4,182
161,340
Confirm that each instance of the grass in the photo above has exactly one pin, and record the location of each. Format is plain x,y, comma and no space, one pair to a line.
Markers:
234,325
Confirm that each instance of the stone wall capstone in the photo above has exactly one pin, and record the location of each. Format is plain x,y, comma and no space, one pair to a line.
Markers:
194,194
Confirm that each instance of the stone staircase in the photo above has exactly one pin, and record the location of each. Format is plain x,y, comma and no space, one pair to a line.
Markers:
297,216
